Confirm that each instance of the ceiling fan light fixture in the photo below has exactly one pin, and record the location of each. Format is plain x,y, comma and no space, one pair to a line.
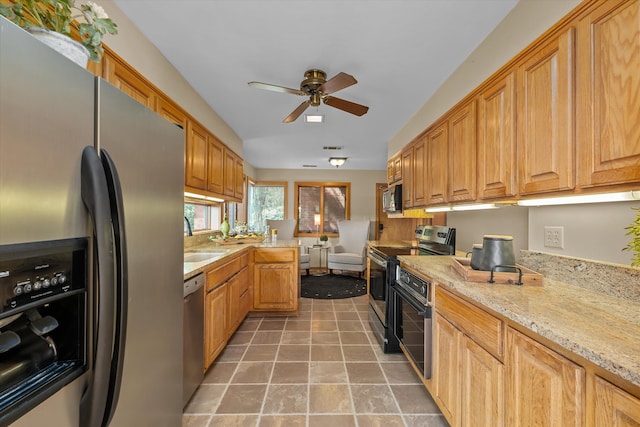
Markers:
337,161
314,118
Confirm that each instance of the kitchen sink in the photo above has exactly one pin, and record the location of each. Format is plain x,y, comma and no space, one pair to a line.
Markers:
202,256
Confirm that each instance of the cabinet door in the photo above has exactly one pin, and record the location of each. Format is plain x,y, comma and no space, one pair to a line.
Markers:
481,387
446,369
238,190
273,287
390,171
229,173
397,168
171,112
407,178
544,388
608,94
129,82
436,161
196,157
496,140
418,174
238,289
215,167
215,326
546,118
462,154
614,406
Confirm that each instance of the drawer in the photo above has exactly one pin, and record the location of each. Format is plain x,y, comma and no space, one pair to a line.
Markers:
273,255
223,272
485,329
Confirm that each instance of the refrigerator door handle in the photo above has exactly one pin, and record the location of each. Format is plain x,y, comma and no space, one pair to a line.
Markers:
94,194
117,217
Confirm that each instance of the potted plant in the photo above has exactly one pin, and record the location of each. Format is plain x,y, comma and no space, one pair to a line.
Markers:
60,16
634,244
324,238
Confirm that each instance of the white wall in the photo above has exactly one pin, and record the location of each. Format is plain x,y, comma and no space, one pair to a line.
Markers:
592,231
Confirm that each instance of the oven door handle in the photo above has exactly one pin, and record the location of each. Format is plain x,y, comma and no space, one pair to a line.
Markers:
422,310
377,261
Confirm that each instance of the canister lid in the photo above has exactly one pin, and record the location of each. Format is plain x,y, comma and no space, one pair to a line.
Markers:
497,237
477,246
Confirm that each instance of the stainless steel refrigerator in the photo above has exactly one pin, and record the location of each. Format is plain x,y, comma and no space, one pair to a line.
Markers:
50,111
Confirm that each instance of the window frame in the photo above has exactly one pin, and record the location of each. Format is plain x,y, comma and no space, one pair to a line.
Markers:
322,186
283,184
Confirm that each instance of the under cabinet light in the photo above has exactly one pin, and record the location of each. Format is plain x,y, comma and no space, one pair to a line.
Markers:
625,196
438,209
477,207
201,197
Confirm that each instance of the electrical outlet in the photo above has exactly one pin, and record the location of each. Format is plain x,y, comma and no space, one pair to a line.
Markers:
554,237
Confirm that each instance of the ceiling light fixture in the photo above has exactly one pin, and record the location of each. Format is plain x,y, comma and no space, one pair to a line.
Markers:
337,161
313,118
588,198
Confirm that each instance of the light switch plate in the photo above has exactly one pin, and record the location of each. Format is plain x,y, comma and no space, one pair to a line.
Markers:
554,237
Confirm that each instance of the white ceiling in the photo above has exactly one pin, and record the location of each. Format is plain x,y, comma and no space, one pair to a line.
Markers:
400,51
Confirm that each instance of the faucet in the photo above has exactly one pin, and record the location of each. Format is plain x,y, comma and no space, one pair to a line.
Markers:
189,232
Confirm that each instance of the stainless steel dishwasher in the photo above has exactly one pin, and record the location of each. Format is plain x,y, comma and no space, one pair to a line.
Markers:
193,336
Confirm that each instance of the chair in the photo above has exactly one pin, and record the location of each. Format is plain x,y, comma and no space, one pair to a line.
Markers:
350,254
285,229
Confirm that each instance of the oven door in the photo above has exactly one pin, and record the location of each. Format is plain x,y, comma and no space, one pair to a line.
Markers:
413,328
378,287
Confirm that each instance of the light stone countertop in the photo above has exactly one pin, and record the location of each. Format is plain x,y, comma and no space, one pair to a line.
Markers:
222,252
601,328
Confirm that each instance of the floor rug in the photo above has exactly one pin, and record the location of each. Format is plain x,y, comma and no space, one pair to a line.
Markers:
332,286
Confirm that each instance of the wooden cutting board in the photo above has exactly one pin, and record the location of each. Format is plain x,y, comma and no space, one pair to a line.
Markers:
463,267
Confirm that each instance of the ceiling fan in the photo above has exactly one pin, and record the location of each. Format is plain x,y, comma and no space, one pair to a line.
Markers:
318,89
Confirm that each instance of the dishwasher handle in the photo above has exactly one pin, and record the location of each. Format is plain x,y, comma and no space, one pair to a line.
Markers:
193,284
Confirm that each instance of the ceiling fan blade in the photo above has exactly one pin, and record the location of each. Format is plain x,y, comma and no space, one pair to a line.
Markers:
275,88
296,113
348,106
339,81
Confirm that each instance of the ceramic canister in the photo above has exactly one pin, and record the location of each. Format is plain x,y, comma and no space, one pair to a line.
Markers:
476,256
497,250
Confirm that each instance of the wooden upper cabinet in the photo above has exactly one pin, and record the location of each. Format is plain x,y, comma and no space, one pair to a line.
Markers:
496,139
171,112
229,173
407,178
608,76
543,388
196,156
545,93
418,175
436,160
215,167
129,82
394,168
462,153
238,191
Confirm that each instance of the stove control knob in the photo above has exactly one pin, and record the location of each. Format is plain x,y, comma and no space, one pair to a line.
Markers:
28,288
54,280
46,283
37,285
62,279
17,290
423,290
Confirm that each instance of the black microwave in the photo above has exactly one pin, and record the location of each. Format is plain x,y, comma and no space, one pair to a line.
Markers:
392,199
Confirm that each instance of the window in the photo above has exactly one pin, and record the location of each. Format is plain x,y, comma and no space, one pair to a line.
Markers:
266,200
202,217
320,205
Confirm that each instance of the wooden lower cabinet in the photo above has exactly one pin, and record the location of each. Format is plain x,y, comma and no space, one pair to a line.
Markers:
215,324
468,380
543,387
238,302
275,279
614,407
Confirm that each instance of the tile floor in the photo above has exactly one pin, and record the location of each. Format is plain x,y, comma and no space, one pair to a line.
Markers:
323,368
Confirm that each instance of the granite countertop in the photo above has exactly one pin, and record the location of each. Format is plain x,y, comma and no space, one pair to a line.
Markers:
220,252
393,243
595,325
